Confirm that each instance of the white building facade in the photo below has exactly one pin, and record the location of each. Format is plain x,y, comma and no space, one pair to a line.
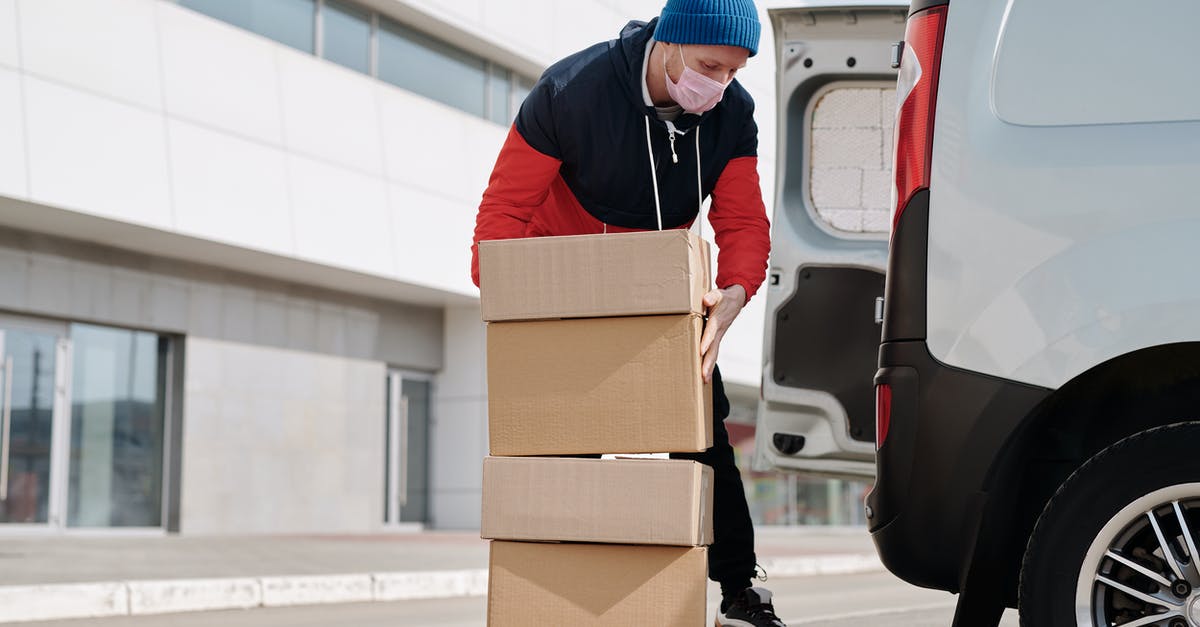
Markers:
234,255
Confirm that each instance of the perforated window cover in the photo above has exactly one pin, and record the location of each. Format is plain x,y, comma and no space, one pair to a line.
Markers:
850,162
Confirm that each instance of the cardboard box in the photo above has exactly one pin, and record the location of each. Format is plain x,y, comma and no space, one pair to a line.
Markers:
621,501
583,276
585,585
597,385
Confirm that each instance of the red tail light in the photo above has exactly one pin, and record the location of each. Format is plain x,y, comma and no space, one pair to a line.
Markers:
916,97
883,413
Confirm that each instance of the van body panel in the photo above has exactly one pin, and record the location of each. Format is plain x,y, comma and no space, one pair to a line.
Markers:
1052,248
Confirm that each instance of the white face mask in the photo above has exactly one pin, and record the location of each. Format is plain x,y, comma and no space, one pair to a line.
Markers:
695,92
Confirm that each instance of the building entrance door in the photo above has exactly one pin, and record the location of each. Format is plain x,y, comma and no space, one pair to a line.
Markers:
33,429
409,400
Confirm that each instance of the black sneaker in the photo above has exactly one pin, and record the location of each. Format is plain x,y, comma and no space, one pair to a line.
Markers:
751,608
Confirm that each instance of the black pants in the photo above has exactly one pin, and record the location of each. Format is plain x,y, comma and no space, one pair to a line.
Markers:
731,557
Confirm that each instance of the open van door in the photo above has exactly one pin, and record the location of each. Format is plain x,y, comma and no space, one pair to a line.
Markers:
836,108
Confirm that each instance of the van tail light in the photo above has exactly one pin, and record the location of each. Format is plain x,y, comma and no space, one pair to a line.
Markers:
916,97
883,413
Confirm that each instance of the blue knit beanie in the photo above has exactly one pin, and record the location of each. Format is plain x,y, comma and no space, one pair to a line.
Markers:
710,22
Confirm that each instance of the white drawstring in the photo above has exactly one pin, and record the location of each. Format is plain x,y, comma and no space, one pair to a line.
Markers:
654,176
699,190
671,136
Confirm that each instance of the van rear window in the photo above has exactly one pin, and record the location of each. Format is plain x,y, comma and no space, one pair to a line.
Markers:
1085,62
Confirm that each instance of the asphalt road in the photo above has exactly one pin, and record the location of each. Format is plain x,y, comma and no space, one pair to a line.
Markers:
877,599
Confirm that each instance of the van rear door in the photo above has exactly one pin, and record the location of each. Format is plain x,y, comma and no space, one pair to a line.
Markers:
836,104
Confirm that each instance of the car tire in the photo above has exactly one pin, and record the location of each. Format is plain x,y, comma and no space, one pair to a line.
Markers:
1097,555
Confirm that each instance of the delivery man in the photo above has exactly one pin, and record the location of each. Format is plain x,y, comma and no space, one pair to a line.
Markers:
632,134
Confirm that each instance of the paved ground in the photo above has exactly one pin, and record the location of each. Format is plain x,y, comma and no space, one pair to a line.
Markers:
61,577
876,599
75,559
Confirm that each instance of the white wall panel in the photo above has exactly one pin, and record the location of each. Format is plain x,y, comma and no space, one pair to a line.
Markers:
214,73
469,10
341,217
579,25
433,147
420,138
433,238
464,372
529,27
13,180
330,112
484,140
9,52
96,155
109,47
459,445
230,189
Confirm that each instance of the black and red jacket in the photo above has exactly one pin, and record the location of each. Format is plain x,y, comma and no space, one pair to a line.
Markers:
575,162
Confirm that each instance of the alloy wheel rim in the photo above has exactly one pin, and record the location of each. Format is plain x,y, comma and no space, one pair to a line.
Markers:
1143,567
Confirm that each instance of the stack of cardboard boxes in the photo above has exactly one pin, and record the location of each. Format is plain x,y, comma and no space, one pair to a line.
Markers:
593,348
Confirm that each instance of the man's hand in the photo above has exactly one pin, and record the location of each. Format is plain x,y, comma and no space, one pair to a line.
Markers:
722,307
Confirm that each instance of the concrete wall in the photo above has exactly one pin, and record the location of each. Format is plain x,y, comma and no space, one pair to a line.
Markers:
47,276
459,436
278,441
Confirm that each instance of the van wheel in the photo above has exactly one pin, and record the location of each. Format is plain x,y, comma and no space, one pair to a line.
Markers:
1117,545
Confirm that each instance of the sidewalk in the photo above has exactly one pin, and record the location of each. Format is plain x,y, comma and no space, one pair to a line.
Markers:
67,576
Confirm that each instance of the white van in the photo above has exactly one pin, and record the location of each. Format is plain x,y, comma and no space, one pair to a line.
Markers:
1032,413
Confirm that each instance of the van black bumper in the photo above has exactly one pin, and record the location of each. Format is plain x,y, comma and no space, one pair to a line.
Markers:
942,490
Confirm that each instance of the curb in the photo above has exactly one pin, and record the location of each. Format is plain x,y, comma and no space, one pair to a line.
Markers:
143,598
843,564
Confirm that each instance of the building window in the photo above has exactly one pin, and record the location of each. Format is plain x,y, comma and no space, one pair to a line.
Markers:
346,36
290,22
850,175
432,68
370,43
118,411
83,425
500,89
521,88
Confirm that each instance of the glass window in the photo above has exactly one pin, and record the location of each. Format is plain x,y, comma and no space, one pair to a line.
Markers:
521,90
500,95
437,70
290,22
117,421
403,56
346,36
31,422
